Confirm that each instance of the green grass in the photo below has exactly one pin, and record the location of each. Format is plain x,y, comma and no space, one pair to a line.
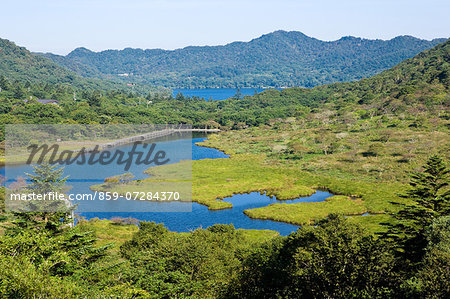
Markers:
244,173
368,160
108,232
377,153
258,236
214,179
305,213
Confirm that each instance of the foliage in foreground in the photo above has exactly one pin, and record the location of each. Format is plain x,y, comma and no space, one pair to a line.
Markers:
332,258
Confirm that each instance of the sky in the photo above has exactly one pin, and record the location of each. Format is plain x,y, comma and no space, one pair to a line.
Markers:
59,26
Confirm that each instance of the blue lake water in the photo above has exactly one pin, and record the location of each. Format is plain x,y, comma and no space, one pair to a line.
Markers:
203,218
216,93
81,178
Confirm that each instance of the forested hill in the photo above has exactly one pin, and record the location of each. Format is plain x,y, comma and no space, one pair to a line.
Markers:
417,85
19,64
421,80
273,60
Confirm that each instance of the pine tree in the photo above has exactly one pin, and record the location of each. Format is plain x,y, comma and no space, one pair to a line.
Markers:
47,214
430,199
428,192
47,178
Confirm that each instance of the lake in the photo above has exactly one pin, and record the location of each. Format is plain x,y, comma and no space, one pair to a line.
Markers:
199,215
216,93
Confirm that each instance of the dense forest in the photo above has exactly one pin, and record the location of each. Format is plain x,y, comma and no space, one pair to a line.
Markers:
19,64
276,59
41,256
419,83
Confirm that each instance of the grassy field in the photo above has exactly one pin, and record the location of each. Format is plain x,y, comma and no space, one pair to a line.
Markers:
220,178
305,213
214,179
108,232
368,163
378,152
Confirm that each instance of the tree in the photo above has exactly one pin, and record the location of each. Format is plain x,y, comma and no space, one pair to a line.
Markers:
4,83
334,259
180,97
95,98
19,92
430,199
47,214
432,280
41,237
197,264
47,178
238,94
428,191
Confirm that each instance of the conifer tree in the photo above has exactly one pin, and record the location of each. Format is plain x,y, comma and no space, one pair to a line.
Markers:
429,194
49,214
430,199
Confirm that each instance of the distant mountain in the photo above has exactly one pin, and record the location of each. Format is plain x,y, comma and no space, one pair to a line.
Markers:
273,60
425,77
409,92
19,64
411,88
414,93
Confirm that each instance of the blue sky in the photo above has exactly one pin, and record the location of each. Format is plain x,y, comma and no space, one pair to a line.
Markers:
59,26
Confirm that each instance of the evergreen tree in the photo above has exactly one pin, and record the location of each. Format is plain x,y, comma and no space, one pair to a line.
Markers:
47,178
180,97
95,98
48,214
430,199
4,84
238,94
432,279
428,192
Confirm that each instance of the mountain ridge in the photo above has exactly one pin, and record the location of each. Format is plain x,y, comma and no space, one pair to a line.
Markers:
350,37
19,64
277,59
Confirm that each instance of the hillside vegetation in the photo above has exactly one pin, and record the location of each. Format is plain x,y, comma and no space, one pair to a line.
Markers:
19,64
359,139
276,59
